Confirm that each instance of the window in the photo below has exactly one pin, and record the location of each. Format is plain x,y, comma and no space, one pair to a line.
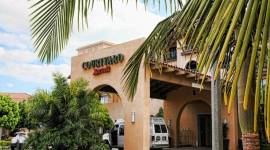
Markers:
163,128
121,130
171,55
157,129
104,99
192,65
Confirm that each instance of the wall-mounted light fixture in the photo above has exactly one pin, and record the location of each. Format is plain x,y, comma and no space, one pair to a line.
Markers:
133,117
225,121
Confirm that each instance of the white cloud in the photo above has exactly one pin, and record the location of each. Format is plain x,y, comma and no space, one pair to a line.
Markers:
40,74
15,40
14,15
127,23
16,56
18,60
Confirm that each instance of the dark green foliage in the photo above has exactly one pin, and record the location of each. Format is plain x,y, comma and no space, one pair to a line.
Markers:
24,121
70,117
160,112
52,21
9,112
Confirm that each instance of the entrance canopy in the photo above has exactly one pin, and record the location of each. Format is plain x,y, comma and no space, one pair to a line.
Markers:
172,78
159,89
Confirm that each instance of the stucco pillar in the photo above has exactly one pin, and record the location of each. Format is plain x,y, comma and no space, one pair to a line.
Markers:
232,122
217,141
137,134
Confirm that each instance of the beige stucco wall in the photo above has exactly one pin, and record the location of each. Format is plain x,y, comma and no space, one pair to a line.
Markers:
140,105
154,105
137,135
189,120
116,109
178,100
175,104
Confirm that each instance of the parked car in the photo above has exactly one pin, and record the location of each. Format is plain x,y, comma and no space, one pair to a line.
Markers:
158,134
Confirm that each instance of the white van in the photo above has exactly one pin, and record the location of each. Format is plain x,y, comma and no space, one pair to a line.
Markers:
159,135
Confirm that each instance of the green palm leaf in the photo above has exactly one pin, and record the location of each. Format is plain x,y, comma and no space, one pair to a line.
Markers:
52,21
223,32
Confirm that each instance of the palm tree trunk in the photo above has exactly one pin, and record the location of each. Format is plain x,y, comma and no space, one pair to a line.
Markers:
250,140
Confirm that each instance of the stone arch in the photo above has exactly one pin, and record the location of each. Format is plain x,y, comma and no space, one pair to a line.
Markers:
115,103
181,109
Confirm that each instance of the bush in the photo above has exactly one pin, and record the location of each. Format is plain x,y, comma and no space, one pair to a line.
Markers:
70,116
9,114
4,143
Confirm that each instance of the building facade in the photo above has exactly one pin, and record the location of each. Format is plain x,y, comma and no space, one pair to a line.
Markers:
186,103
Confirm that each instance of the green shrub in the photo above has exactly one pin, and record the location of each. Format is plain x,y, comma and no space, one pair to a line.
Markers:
9,114
4,143
70,115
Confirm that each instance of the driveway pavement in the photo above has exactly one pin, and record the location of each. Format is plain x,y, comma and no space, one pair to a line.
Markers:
189,148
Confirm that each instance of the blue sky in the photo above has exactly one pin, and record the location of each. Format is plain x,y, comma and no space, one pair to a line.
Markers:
20,69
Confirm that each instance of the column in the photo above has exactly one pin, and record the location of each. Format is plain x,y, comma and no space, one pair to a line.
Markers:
217,141
137,133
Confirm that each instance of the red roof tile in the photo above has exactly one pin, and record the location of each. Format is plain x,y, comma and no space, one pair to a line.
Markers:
17,97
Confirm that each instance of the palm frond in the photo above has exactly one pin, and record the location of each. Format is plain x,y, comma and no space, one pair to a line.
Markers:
52,22
222,32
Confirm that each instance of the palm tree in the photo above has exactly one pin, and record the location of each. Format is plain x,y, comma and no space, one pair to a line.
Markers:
69,116
232,34
52,21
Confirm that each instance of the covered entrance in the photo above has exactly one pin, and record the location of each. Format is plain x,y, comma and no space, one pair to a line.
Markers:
178,86
187,110
204,130
194,123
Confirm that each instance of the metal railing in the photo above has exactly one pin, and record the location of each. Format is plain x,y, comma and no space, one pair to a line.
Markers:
186,137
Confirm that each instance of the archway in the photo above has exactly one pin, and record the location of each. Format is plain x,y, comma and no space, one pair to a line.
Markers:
110,98
194,124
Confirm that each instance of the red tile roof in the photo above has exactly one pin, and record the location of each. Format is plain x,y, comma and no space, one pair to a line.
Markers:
196,74
17,97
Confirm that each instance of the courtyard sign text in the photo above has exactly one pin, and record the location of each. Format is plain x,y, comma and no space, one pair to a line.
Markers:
102,65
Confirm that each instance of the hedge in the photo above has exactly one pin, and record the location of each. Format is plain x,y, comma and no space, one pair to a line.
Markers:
4,143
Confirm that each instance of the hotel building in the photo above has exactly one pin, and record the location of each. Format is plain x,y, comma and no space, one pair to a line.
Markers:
187,105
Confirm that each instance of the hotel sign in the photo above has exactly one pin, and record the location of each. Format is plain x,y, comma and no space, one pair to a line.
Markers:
102,65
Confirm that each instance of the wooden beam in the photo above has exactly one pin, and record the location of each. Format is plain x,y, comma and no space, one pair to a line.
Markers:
154,67
180,72
207,78
169,69
191,75
162,67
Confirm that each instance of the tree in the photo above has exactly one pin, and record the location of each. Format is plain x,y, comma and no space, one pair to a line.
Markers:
52,22
232,34
70,117
25,120
9,113
160,112
226,33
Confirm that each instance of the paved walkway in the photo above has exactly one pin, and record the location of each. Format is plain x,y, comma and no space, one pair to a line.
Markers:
189,148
